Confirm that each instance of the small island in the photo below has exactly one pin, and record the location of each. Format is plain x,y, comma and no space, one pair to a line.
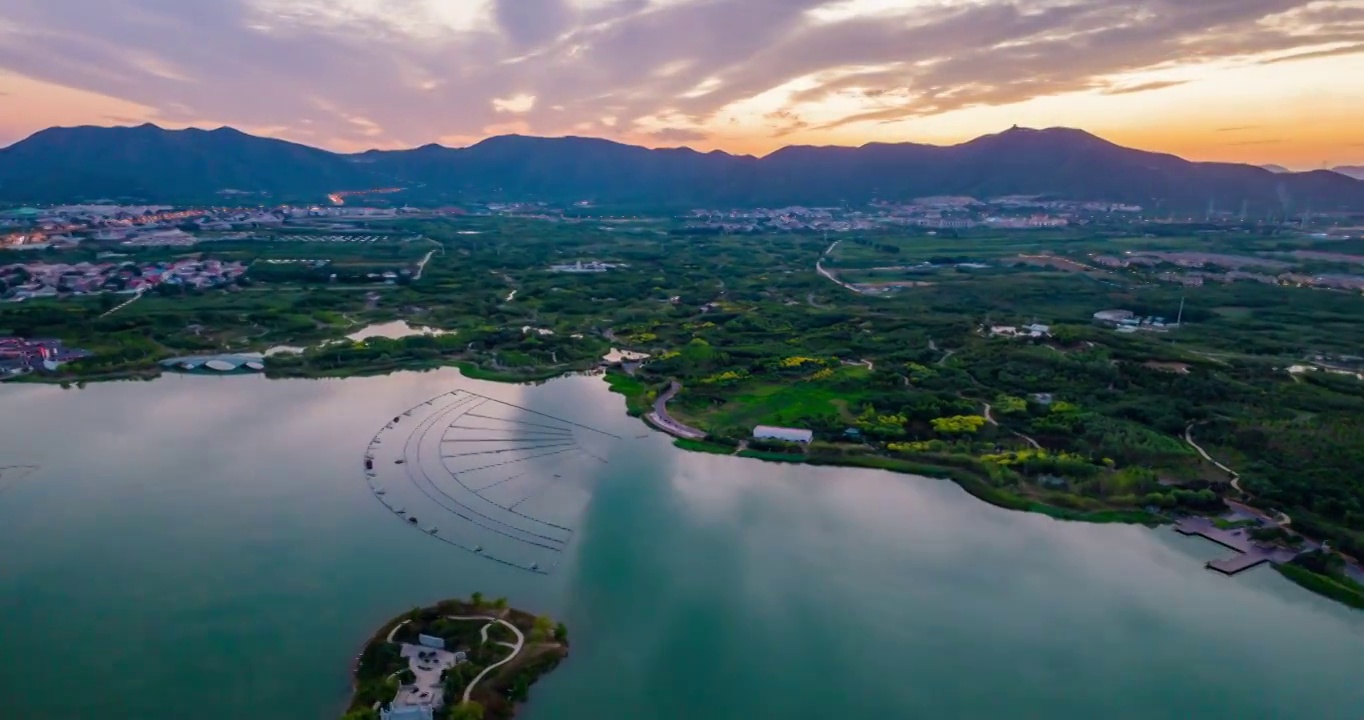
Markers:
461,660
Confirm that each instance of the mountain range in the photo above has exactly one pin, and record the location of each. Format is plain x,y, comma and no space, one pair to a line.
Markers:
150,164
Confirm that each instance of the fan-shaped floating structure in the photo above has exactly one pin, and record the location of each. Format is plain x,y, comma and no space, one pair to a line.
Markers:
505,482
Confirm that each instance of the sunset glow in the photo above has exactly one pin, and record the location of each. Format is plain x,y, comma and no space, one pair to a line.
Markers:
1268,81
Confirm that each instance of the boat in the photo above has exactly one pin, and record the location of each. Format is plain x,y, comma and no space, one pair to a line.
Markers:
399,461
412,519
381,491
478,549
535,566
432,529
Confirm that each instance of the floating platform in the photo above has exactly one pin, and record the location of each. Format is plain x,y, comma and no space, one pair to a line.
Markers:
1249,554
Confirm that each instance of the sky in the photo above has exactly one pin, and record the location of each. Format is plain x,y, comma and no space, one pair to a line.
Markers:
1262,81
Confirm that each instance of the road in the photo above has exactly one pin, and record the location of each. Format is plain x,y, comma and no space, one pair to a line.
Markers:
660,418
819,268
515,649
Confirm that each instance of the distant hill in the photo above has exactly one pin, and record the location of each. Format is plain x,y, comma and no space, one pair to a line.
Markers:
1279,169
149,163
1354,171
152,164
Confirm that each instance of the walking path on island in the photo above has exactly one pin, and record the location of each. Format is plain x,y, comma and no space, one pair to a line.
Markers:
660,418
515,649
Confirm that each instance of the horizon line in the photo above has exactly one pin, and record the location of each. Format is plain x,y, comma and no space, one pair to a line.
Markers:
682,147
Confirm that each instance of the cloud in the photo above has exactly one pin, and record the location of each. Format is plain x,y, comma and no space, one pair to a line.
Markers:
677,135
522,103
1237,128
1144,87
1266,141
1333,52
360,73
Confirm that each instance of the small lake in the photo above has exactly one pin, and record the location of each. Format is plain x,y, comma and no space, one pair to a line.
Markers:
211,547
393,330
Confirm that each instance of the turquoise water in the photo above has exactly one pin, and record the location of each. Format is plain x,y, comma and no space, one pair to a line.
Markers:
209,545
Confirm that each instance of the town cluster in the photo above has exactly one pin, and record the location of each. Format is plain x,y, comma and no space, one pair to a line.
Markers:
1197,268
34,280
153,225
938,213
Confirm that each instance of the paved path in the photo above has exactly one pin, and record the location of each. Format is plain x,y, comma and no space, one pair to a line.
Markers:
990,418
1235,476
394,631
421,266
660,418
515,649
1283,519
137,296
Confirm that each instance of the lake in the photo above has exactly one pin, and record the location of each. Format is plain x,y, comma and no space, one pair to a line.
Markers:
211,546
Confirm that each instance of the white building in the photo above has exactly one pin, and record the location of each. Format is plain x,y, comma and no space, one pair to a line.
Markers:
767,432
407,712
1114,316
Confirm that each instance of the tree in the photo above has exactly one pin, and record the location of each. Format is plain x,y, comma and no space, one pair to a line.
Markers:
561,632
500,603
542,628
467,711
477,599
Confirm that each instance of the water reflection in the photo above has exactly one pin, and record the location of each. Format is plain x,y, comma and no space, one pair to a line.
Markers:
217,539
394,330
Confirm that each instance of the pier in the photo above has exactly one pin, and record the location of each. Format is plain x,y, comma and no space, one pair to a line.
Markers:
1249,553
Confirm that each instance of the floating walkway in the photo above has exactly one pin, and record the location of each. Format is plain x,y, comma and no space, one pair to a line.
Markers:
1249,553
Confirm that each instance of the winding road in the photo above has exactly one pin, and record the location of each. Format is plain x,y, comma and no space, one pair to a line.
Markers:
819,268
660,418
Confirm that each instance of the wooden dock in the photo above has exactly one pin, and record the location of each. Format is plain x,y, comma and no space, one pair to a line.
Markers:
1249,553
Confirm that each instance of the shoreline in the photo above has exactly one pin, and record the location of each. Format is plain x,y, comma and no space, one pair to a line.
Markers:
968,480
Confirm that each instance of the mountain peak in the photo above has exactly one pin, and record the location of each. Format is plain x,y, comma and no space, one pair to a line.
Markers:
148,163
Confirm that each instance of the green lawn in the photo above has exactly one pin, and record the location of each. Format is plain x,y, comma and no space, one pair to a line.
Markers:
791,404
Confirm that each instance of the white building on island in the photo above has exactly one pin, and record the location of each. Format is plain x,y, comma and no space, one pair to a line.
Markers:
767,432
407,712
